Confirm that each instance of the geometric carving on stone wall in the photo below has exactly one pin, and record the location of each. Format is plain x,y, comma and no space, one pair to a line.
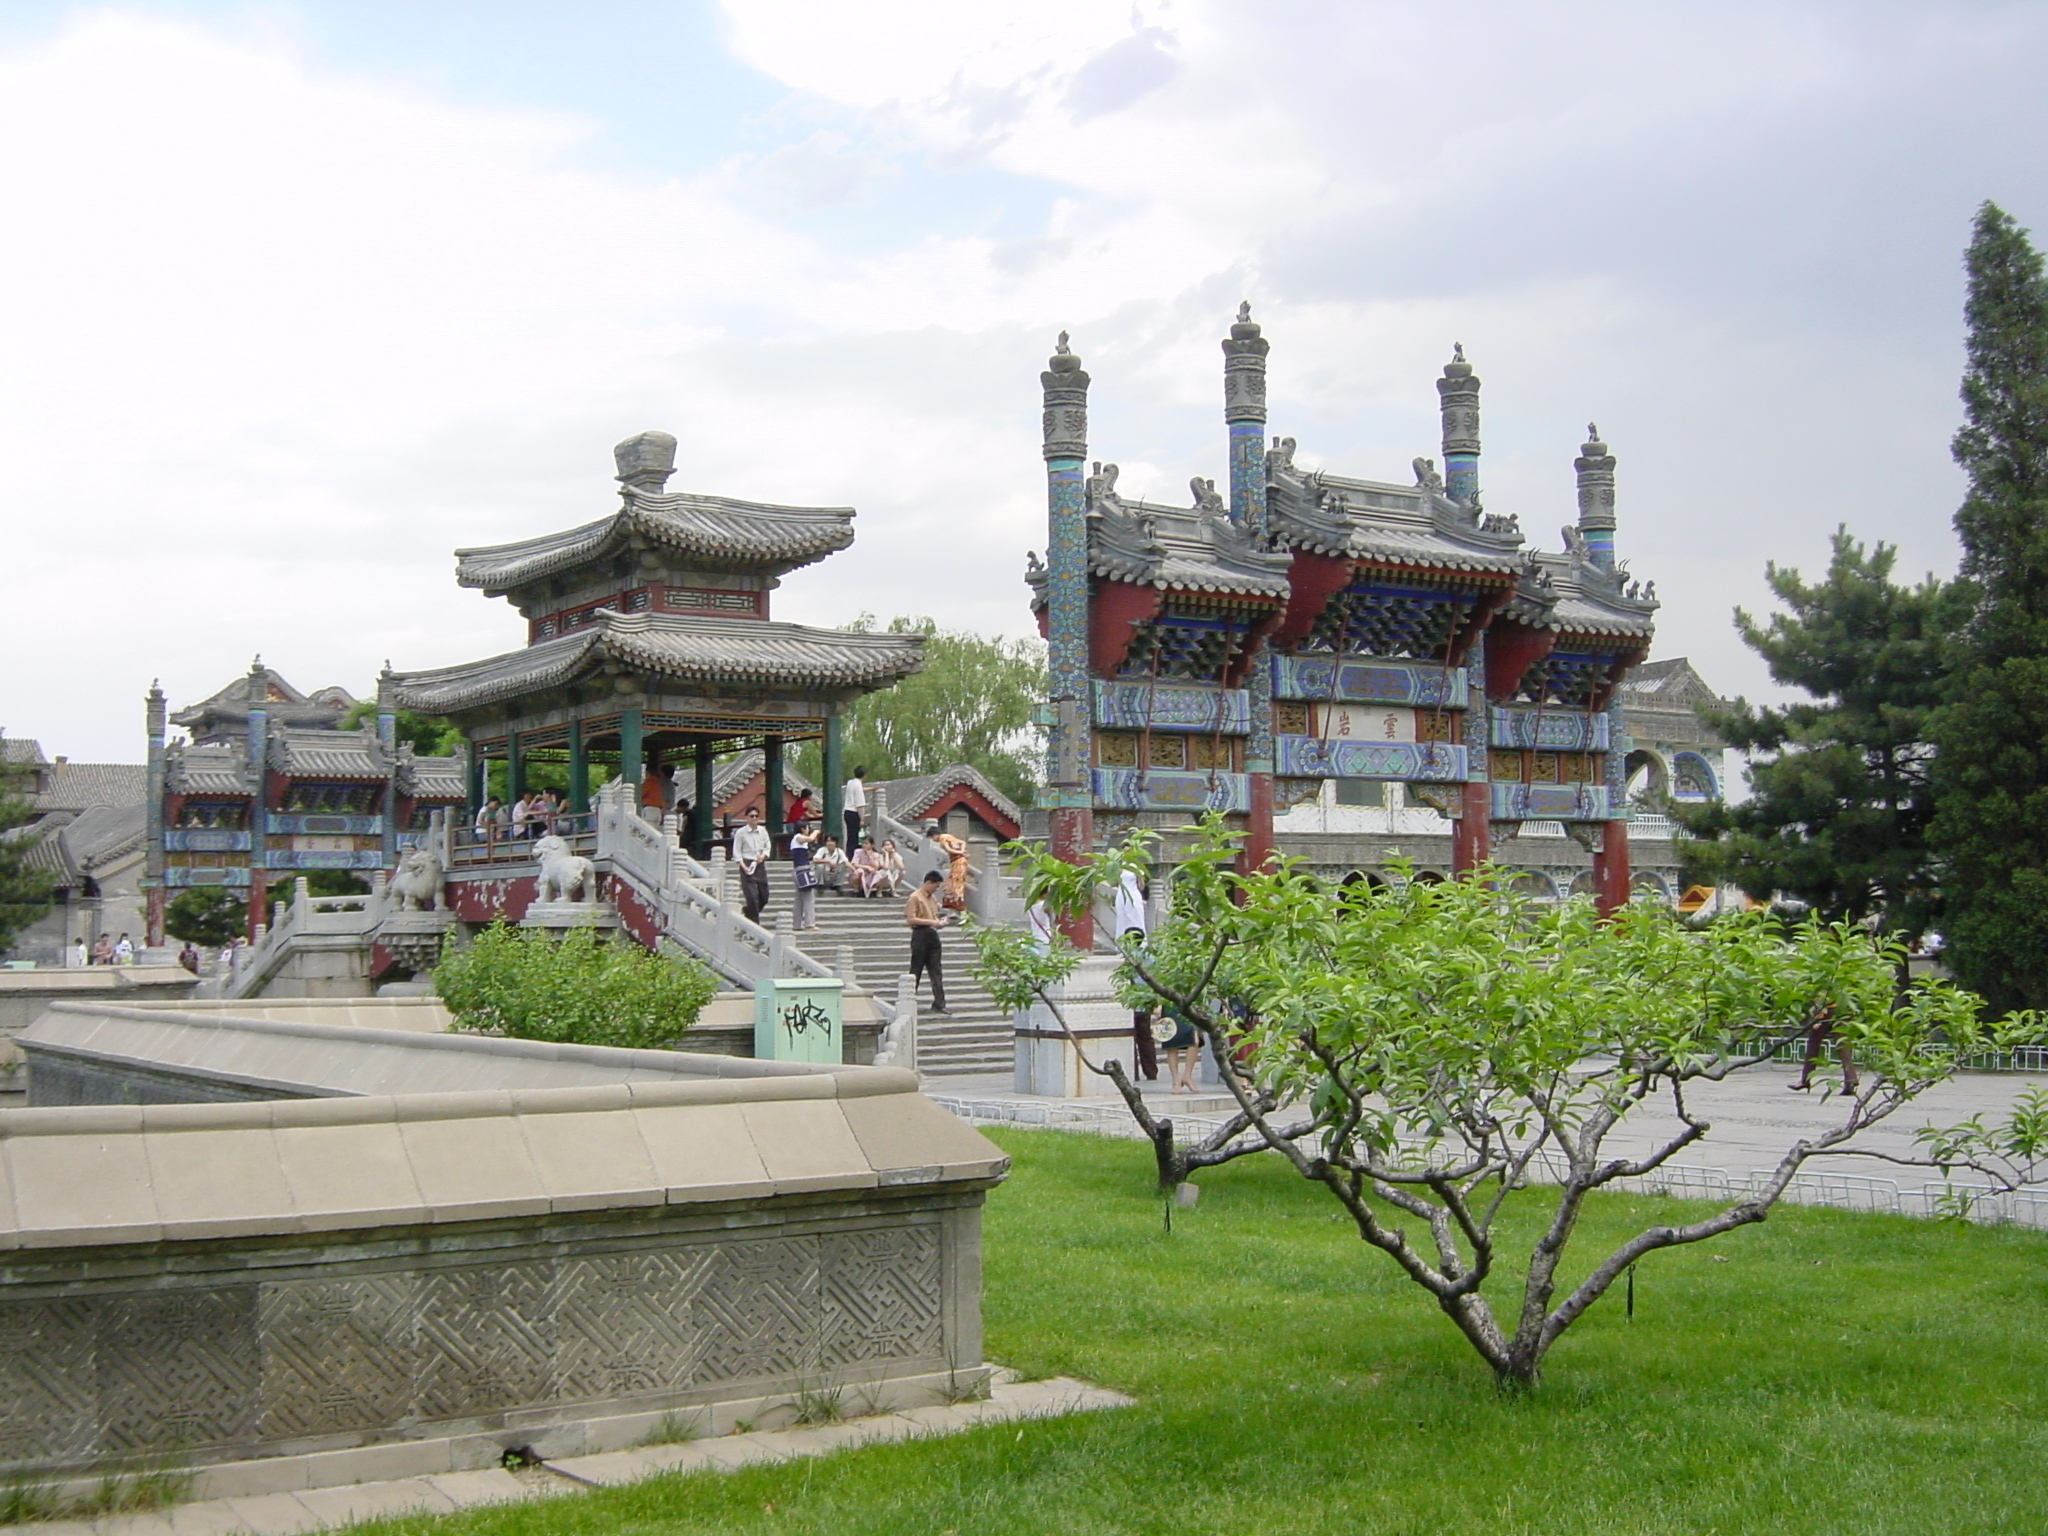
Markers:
337,1354
46,1380
757,1310
880,1295
486,1342
177,1369
625,1323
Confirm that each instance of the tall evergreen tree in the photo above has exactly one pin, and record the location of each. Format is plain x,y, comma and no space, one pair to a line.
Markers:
1991,767
1840,800
25,890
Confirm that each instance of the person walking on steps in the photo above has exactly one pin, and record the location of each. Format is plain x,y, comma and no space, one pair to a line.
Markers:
750,850
921,914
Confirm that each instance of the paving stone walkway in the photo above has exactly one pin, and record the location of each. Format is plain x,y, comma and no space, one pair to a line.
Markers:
286,1514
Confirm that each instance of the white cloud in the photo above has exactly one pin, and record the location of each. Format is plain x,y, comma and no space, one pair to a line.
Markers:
279,338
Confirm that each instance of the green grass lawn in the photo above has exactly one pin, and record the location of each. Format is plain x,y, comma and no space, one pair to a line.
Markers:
1821,1373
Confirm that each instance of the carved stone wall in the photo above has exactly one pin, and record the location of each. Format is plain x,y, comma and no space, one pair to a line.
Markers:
242,1348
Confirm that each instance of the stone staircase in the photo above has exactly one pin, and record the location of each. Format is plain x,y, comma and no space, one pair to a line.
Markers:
978,1037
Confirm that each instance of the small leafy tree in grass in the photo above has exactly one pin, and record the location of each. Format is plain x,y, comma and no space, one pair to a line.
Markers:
1016,972
207,914
576,990
1452,1044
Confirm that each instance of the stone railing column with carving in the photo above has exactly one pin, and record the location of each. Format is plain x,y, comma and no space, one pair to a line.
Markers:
1244,412
1069,797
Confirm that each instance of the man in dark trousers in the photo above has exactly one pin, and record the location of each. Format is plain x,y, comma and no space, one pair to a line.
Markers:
924,917
751,850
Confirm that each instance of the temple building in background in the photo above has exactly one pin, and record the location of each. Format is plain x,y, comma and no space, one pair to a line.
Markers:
1305,636
268,787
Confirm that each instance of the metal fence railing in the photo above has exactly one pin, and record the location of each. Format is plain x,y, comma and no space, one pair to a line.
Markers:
1679,1181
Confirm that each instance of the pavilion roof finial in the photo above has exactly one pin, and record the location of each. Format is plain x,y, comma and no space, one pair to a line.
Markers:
645,462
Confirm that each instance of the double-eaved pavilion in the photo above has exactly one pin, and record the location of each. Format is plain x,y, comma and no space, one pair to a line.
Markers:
650,645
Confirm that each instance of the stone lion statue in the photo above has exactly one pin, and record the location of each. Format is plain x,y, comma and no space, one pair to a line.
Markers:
562,872
416,883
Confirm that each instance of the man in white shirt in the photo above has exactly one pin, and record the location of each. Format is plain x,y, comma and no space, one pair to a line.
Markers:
853,800
834,868
750,850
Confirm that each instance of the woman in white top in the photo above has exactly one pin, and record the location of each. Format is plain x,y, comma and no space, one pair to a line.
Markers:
890,875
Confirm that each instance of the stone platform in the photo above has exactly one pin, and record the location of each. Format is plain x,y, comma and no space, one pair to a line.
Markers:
412,1281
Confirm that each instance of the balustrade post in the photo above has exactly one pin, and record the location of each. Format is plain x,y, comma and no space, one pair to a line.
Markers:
906,1022
778,947
842,963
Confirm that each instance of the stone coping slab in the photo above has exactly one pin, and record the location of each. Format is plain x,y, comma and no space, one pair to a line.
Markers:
301,1058
309,1509
735,1129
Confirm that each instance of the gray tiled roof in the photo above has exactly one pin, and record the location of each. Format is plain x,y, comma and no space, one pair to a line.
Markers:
1569,594
20,750
719,531
431,778
734,773
732,652
228,707
68,845
326,754
1176,549
911,797
205,771
1411,525
74,786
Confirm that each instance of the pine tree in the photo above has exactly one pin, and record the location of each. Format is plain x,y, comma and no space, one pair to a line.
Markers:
1991,768
1840,803
25,890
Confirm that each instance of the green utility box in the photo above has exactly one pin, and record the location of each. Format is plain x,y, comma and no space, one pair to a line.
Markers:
799,1018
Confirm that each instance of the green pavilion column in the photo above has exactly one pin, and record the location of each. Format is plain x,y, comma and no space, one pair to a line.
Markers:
579,770
478,770
515,768
629,751
705,810
835,778
771,763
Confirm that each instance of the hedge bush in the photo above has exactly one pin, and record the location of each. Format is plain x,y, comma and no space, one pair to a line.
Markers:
576,990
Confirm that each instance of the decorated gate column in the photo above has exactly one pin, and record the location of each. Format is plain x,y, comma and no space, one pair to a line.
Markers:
1458,400
153,856
1244,410
1069,795
1595,468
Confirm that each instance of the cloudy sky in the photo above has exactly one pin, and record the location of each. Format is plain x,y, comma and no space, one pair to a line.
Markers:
297,297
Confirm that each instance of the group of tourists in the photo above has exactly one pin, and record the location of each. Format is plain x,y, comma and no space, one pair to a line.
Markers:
817,862
104,950
532,815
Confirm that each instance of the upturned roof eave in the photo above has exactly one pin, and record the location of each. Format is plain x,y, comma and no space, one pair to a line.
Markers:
661,646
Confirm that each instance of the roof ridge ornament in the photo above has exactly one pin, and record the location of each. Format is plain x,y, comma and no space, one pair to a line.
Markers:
645,462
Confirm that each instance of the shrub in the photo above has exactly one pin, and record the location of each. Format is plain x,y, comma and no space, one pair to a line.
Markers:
577,989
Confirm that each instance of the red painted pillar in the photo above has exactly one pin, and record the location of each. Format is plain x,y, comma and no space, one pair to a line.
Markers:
1471,837
1610,869
1258,824
1070,831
